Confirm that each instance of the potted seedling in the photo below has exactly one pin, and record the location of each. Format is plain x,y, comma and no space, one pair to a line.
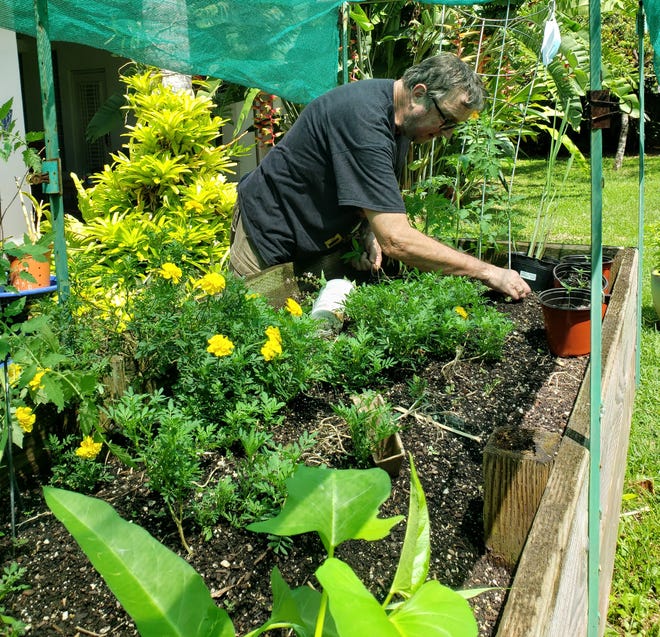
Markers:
575,276
374,431
19,256
567,320
29,259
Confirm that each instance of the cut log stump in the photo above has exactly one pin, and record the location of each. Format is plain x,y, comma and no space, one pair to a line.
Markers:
516,467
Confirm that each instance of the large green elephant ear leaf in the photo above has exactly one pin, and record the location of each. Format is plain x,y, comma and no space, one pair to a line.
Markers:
163,594
413,567
338,504
296,608
355,611
435,611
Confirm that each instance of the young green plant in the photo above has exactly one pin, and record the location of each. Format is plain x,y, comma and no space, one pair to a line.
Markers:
339,505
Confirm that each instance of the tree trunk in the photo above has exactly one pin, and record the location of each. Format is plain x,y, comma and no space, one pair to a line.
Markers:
623,138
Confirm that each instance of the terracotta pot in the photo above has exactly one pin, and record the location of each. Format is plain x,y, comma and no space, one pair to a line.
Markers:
38,270
575,276
585,260
567,320
389,455
655,290
537,272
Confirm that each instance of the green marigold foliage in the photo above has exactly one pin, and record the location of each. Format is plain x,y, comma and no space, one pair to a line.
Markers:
166,195
406,320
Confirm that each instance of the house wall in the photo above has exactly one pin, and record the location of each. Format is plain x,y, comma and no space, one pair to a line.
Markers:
84,79
13,224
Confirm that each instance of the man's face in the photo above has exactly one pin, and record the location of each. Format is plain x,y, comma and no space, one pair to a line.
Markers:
427,118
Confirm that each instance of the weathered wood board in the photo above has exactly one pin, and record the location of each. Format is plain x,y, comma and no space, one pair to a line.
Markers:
548,596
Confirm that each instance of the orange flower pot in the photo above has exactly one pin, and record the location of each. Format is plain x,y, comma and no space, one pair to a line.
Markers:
567,320
26,273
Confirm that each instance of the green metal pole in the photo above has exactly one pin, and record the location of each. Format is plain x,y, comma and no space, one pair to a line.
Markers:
594,513
52,162
640,216
345,12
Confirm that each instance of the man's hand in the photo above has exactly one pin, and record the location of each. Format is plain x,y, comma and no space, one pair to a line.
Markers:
509,283
372,256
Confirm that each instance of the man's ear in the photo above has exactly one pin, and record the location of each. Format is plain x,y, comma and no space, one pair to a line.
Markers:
419,91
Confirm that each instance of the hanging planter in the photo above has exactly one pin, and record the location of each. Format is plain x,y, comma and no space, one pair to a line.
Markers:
567,320
537,272
29,272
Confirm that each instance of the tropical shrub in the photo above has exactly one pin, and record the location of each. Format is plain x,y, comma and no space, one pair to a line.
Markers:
166,198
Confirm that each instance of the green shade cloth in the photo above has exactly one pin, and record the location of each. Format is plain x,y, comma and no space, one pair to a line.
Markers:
288,48
652,10
285,47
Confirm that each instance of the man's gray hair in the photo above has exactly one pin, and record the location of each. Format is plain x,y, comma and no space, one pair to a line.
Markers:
443,74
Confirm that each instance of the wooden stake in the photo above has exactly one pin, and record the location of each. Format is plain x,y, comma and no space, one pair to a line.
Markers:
516,467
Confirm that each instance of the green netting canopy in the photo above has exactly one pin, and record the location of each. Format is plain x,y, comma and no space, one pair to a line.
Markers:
285,47
652,10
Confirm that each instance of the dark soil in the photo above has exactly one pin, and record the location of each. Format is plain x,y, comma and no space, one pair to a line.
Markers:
528,389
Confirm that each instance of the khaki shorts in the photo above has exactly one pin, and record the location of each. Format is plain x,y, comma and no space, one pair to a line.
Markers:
243,257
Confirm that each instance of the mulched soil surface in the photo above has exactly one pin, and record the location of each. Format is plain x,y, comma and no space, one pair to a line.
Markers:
528,388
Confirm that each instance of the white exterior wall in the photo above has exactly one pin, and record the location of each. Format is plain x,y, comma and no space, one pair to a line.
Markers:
13,224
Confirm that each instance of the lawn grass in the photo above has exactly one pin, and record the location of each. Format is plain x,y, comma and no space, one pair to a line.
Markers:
635,596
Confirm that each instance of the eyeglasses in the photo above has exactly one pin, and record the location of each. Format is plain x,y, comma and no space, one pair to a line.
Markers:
447,122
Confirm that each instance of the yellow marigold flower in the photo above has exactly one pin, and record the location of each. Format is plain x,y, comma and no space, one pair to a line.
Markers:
271,349
293,308
212,283
170,271
220,345
273,334
35,383
26,418
461,312
14,372
88,448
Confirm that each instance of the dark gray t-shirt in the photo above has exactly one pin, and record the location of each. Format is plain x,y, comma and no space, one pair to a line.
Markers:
341,155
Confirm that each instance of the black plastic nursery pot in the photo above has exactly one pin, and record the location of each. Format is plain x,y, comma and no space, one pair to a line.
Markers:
537,272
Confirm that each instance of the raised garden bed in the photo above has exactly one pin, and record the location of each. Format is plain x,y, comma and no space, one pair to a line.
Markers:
549,592
528,389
